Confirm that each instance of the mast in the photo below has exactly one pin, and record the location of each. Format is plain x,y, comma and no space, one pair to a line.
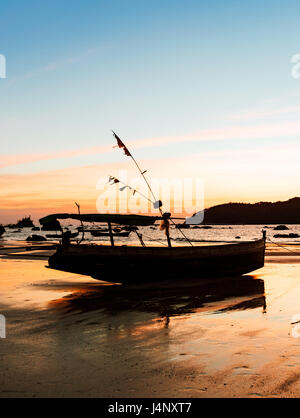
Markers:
121,144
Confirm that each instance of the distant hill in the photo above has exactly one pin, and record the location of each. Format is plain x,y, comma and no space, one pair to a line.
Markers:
287,212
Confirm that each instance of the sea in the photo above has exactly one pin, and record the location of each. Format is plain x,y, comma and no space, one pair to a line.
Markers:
152,234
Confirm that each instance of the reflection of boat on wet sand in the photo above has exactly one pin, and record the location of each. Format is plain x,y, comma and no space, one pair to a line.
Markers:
140,263
168,299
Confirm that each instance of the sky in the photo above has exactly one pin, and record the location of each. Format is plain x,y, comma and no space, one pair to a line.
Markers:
197,90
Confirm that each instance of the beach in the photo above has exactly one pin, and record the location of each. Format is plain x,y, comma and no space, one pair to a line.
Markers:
69,335
149,200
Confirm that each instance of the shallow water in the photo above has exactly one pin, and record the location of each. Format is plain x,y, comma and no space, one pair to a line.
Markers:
216,233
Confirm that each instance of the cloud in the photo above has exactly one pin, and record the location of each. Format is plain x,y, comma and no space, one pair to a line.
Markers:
16,159
55,65
271,130
264,113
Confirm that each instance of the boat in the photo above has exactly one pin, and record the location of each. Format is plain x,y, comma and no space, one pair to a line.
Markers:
132,263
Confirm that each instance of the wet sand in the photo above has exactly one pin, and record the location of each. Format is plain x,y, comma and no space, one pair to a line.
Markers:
72,336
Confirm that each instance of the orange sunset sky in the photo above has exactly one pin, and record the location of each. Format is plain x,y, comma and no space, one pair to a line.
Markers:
227,175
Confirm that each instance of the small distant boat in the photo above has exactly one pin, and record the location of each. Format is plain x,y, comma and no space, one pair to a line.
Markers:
2,230
100,233
104,232
59,236
291,235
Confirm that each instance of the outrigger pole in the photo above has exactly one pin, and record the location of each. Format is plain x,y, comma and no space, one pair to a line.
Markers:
165,216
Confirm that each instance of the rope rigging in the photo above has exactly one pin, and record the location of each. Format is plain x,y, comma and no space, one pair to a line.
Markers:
282,246
164,215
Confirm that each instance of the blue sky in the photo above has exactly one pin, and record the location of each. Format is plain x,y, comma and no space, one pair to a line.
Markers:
147,69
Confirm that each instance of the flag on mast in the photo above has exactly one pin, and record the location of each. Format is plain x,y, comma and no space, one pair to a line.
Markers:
122,145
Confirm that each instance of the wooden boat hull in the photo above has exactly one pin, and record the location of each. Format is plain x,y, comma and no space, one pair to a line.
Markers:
125,264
